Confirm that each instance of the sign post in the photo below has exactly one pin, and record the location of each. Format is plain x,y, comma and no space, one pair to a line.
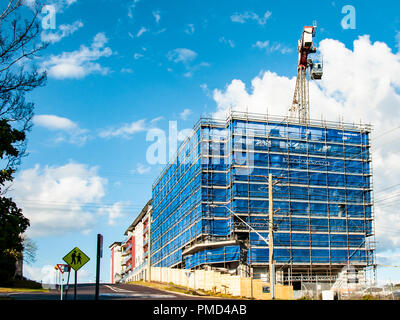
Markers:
98,257
62,268
56,277
76,259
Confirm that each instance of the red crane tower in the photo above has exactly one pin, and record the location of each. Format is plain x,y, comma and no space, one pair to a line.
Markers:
306,68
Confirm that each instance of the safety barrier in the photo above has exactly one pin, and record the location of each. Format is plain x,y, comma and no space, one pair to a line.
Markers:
217,282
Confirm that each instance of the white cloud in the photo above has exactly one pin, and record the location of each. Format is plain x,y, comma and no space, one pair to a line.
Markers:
46,274
261,44
67,130
157,16
53,122
114,212
137,56
29,3
160,31
181,55
272,47
359,84
125,131
155,120
141,31
54,198
63,31
126,70
203,64
189,29
227,41
59,5
243,17
186,57
206,90
131,7
80,63
185,114
398,40
141,169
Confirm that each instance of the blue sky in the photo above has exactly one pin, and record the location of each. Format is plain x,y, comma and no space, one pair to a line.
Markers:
117,69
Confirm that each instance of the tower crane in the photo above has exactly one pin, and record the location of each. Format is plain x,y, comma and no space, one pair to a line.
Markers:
306,67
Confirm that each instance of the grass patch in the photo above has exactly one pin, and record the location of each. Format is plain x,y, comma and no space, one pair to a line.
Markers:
180,289
163,286
221,295
8,290
21,285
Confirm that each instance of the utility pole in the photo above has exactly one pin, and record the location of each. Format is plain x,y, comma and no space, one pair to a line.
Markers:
270,240
271,237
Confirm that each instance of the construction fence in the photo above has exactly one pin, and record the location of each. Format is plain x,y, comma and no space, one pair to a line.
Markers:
217,282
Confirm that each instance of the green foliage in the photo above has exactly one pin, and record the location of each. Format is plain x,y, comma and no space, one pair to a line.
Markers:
12,225
19,33
22,283
12,221
8,136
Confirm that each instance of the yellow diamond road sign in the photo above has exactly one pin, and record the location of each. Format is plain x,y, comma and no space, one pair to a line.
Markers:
76,258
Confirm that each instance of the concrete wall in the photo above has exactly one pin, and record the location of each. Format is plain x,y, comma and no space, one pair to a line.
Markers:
219,283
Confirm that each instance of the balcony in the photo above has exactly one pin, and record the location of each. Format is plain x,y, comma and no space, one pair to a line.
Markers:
127,250
125,260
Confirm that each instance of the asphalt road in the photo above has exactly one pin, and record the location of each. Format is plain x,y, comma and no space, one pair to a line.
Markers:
106,292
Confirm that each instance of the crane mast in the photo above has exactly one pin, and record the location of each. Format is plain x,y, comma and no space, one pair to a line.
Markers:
306,67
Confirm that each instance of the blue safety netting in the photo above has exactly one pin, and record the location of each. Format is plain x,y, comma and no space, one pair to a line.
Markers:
223,254
323,194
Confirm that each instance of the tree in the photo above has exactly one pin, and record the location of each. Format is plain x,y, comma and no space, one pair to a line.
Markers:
18,75
30,248
19,45
12,222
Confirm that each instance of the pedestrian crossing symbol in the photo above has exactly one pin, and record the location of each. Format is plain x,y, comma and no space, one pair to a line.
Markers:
76,258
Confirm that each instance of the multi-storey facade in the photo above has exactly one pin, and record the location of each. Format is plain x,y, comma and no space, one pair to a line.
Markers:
322,191
135,248
115,265
128,253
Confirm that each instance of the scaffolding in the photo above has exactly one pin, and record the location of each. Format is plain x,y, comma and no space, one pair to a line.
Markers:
324,196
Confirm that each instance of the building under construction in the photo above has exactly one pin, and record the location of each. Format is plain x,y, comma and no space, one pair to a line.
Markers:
211,205
253,193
